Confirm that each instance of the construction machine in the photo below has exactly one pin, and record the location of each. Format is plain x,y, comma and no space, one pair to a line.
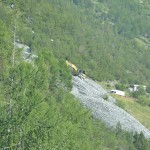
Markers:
75,71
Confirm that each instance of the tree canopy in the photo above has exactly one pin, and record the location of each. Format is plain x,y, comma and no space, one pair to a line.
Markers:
37,110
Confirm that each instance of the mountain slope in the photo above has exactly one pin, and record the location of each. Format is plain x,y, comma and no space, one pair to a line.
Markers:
37,110
91,95
94,35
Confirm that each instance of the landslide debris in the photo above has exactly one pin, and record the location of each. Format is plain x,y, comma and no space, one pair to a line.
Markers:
91,95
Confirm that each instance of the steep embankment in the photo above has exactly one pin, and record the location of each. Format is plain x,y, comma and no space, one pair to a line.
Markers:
91,95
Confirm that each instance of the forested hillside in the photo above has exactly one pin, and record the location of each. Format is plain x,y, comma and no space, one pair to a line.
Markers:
37,110
109,39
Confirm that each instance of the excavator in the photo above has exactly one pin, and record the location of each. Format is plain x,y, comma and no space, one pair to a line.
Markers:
75,71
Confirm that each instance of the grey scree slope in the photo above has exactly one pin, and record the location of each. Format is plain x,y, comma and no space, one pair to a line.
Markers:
90,94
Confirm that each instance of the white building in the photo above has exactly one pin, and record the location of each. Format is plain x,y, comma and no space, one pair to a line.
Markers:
118,92
136,87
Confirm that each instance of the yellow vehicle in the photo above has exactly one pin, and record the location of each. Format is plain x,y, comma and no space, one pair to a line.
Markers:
75,71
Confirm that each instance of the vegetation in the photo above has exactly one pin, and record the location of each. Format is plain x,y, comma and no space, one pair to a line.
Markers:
139,111
108,46
144,100
37,110
105,97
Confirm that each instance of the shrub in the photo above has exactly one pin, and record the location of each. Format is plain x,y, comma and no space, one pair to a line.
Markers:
148,89
139,93
108,85
144,100
120,87
105,97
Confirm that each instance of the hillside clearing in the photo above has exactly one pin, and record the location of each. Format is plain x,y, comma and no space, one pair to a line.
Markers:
141,113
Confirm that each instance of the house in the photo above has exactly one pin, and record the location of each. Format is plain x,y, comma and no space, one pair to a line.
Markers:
118,92
136,87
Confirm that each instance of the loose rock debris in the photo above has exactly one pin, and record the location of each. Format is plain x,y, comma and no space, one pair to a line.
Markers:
91,95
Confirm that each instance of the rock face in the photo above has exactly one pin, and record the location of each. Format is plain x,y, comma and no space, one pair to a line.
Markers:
26,52
91,95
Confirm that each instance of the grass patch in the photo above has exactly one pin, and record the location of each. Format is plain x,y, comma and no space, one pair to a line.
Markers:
141,113
105,97
120,104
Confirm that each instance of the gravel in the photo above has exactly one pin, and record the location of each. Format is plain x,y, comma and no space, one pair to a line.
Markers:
91,95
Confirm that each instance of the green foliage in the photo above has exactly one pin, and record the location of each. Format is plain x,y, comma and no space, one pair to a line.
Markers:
144,100
120,87
37,111
105,97
140,142
139,92
120,104
65,74
64,28
148,89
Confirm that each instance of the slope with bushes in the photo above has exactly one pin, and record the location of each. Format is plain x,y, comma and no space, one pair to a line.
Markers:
99,36
37,111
